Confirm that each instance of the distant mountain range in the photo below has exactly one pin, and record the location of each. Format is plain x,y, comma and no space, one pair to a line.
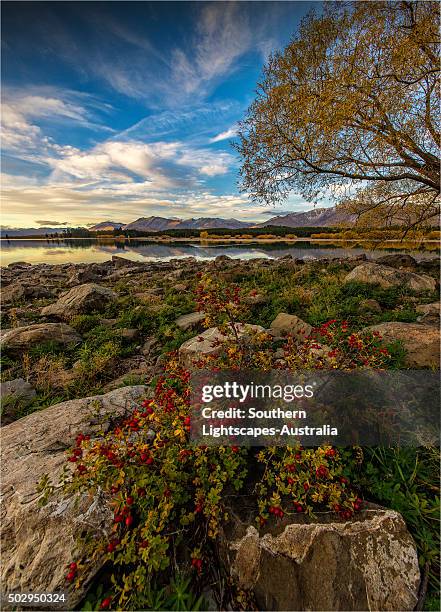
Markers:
317,217
160,224
106,226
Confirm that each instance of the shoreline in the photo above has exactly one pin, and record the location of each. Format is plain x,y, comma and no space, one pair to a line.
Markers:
221,240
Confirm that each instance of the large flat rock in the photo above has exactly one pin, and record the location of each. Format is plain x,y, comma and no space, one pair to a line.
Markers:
19,339
421,342
38,542
386,277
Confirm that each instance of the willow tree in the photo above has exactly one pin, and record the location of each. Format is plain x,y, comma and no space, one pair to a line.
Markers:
352,103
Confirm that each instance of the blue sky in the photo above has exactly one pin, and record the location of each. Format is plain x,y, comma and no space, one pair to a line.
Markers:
116,110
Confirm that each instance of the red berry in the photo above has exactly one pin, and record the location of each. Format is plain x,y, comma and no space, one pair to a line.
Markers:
118,518
73,567
105,603
70,576
299,508
197,564
129,520
305,486
129,500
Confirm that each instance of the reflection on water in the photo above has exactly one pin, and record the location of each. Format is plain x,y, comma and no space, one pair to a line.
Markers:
90,251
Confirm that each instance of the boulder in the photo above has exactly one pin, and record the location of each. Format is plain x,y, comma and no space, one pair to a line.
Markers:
83,299
367,563
20,291
38,542
207,343
15,394
128,333
429,313
123,262
386,277
21,339
397,260
90,274
188,321
285,324
421,342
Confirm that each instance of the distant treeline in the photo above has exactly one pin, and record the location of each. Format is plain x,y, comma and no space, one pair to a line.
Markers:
273,230
269,231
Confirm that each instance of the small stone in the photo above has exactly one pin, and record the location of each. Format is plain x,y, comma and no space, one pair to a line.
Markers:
188,321
285,324
430,313
128,333
207,343
15,394
369,305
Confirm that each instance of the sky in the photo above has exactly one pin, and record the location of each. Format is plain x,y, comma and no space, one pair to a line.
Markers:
119,110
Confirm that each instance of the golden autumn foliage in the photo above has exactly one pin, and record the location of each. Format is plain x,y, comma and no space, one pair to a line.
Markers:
352,100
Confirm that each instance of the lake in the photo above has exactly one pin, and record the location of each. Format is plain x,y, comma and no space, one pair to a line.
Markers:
89,251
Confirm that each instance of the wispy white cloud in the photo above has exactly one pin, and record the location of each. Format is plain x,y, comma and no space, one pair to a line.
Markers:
186,73
230,133
159,163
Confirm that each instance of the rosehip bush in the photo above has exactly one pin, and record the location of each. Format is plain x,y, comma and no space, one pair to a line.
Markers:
168,497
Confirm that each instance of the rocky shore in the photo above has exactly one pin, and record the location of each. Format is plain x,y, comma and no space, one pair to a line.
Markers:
80,345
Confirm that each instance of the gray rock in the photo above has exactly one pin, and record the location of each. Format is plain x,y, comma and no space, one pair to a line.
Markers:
429,313
188,321
207,343
421,342
83,299
20,339
128,333
367,563
90,274
386,277
21,291
15,394
369,305
123,262
255,299
285,324
38,542
148,346
397,260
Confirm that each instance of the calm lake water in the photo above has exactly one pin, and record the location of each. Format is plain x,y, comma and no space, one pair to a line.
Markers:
89,251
